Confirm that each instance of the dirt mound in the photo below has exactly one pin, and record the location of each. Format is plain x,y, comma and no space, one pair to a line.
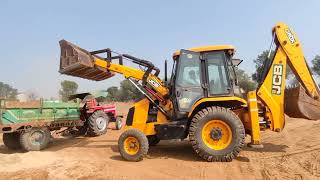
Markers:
32,174
291,154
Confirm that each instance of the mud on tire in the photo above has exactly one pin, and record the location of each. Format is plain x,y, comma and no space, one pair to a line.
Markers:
133,145
229,121
35,139
98,123
12,140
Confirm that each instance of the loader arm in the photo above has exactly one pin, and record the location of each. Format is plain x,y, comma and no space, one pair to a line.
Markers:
299,102
78,62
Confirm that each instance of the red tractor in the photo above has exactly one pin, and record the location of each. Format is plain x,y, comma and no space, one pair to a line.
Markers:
96,117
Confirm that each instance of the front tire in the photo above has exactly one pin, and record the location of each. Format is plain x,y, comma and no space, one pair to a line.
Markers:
118,123
98,123
35,139
12,140
216,134
133,145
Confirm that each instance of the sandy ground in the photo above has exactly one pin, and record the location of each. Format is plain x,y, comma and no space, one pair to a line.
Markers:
291,154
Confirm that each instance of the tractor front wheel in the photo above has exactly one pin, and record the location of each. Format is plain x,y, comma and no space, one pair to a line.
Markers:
216,134
133,145
118,123
98,123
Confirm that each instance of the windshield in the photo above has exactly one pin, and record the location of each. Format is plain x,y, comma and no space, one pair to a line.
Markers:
189,70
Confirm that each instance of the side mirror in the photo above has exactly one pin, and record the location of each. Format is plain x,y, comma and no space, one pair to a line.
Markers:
236,62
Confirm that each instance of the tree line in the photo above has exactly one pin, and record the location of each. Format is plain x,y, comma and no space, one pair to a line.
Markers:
127,91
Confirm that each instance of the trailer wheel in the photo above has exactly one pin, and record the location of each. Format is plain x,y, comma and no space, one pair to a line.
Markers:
216,134
12,140
153,140
118,123
133,145
35,139
98,123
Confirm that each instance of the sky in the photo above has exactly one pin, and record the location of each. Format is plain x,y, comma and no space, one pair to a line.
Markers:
153,30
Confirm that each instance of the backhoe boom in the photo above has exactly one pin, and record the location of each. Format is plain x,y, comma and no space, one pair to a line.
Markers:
299,102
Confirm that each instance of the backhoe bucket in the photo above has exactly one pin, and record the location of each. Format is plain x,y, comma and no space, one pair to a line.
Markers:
298,104
75,61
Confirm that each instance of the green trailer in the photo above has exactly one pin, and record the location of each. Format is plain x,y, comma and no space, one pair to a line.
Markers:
28,125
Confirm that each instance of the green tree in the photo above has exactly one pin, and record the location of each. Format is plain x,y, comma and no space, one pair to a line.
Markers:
259,61
113,93
7,92
244,81
259,65
316,65
126,92
67,88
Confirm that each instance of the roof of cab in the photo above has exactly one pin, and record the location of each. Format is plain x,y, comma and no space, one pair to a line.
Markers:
207,48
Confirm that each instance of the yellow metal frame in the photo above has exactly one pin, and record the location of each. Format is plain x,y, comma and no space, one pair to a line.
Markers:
217,99
254,117
137,74
207,48
140,117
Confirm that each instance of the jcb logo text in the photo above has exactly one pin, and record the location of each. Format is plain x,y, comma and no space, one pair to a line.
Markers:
277,79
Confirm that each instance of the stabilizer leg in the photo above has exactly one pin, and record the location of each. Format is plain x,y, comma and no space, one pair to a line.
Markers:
254,119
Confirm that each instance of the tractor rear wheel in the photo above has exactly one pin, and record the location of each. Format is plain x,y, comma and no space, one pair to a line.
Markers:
98,123
12,140
133,145
216,134
35,139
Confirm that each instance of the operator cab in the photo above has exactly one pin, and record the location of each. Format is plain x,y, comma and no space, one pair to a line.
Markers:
200,72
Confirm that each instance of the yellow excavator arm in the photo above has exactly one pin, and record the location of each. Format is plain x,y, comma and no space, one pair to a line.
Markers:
75,61
272,100
290,44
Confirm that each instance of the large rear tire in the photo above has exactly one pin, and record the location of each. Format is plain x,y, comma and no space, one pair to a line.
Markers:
35,139
216,134
98,123
133,145
12,140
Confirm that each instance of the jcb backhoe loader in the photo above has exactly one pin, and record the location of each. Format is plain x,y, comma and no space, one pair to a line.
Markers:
202,99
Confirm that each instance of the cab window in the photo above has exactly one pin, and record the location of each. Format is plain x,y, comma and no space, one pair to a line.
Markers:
217,73
189,71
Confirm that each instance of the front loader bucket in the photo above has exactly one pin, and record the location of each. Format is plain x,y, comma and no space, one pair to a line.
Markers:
75,61
298,104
